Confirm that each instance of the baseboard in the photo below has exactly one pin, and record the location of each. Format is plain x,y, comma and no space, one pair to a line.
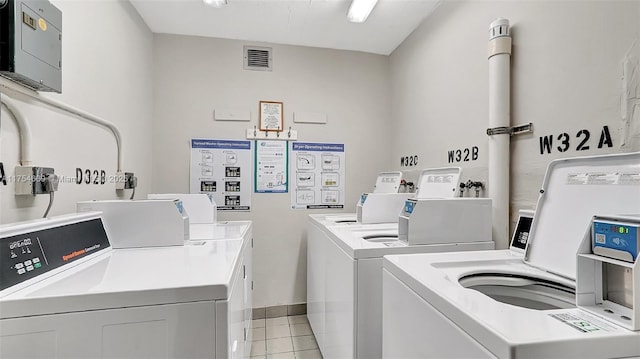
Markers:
279,311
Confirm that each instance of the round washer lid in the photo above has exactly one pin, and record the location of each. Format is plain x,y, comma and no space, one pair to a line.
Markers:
573,191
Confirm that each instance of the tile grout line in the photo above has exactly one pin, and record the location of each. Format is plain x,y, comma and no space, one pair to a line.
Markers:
291,336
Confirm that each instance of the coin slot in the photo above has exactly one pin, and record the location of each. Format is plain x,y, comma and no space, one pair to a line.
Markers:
28,20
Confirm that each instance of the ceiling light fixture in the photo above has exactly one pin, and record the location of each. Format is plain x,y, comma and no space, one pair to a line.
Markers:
360,10
216,3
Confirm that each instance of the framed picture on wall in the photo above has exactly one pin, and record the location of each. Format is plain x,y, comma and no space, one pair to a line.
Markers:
271,116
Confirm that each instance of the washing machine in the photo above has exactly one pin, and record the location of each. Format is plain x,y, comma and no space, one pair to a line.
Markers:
370,208
226,231
344,285
65,292
385,202
353,316
385,191
497,304
318,239
203,226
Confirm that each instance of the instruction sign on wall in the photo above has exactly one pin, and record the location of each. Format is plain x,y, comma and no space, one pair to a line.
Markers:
318,175
271,167
222,168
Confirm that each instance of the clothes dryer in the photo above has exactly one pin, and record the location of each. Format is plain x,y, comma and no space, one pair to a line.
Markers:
89,300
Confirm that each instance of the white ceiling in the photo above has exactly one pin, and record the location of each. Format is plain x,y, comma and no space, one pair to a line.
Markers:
316,23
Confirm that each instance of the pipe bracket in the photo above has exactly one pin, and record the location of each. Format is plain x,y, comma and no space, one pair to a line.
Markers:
498,131
515,130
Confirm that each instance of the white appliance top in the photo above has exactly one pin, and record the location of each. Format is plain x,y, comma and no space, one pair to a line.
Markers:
388,182
573,191
507,331
121,278
219,230
334,219
377,240
116,278
438,182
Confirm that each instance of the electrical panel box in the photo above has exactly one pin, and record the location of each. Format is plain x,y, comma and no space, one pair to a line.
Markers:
31,44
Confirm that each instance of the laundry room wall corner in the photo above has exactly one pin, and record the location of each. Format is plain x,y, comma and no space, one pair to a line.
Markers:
196,76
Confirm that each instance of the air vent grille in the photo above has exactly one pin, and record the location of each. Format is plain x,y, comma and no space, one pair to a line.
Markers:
257,58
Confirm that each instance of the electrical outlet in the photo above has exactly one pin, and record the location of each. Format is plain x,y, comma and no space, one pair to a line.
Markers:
131,181
126,180
120,180
31,180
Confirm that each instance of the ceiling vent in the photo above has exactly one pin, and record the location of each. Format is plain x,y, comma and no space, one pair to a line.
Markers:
257,58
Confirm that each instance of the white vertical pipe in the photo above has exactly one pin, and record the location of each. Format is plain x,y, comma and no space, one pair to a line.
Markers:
499,116
24,130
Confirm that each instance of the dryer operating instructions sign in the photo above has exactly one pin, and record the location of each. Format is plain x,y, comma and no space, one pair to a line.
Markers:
319,170
222,168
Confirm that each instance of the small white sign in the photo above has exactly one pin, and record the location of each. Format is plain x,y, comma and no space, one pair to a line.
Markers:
583,322
271,167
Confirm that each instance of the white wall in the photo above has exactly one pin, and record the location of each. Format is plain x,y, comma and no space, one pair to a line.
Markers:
428,98
566,76
194,76
107,57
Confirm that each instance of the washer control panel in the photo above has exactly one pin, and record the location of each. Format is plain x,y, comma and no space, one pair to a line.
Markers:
30,254
617,238
520,236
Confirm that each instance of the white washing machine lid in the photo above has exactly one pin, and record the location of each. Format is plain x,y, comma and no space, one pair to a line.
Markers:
438,182
573,191
388,182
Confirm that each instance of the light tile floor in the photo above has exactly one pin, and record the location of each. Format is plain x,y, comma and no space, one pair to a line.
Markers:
284,338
